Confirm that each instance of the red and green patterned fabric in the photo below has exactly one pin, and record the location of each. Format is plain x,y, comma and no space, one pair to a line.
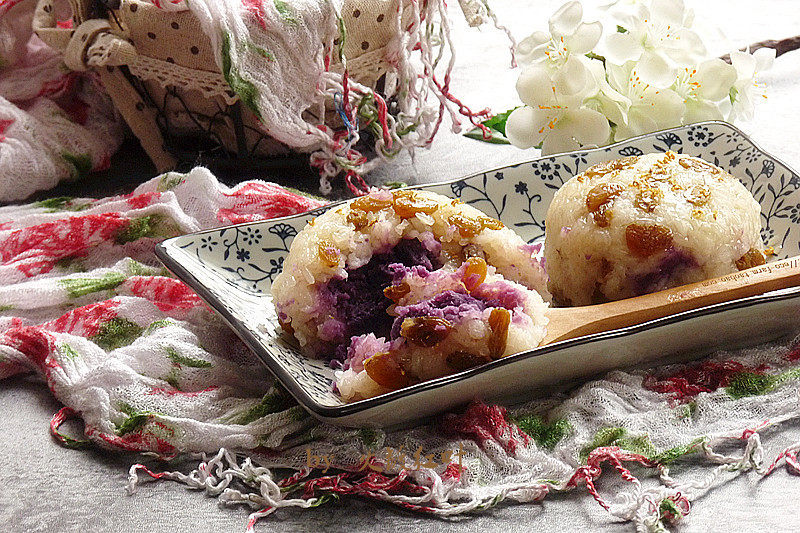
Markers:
147,367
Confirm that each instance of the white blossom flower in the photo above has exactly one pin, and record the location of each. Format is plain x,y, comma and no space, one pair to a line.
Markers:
559,128
568,35
652,106
746,90
607,100
654,74
554,115
703,88
661,28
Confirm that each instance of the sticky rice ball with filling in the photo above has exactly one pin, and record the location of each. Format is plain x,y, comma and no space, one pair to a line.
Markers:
332,283
642,224
445,321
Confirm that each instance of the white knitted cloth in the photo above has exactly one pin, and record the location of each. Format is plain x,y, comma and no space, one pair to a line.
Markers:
286,62
54,124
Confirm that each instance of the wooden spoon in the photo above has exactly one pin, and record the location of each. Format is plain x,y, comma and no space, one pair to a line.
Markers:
570,322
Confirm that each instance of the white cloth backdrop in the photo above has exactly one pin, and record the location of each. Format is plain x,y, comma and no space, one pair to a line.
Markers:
44,487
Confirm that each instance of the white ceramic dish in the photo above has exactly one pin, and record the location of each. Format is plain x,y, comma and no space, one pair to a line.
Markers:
232,268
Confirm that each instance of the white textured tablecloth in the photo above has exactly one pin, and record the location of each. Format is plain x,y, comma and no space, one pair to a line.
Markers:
44,487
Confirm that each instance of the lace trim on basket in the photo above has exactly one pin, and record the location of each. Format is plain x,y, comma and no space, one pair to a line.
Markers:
108,49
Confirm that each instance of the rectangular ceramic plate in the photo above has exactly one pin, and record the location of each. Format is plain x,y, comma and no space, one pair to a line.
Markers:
232,268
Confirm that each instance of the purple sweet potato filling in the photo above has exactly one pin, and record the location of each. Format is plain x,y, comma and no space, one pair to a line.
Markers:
358,301
362,348
449,305
500,294
399,272
675,260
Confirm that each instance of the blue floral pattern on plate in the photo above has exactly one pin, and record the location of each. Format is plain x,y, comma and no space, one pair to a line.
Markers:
233,267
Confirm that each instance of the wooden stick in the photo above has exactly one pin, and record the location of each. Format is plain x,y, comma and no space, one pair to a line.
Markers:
570,322
781,46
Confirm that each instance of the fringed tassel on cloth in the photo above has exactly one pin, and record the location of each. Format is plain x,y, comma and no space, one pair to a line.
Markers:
445,494
422,30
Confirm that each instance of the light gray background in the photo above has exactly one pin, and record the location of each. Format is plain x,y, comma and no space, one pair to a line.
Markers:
44,487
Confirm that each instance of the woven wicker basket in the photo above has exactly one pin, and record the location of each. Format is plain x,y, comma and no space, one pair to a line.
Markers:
159,69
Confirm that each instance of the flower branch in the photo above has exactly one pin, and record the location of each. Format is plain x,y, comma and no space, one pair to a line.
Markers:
580,87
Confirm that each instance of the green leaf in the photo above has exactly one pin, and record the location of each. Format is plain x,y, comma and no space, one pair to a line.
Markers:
640,444
297,413
620,29
116,333
136,419
148,226
673,454
245,89
68,351
266,54
753,384
185,360
54,204
604,437
687,411
498,122
172,378
169,181
592,55
158,324
135,268
494,137
62,203
81,164
77,287
368,436
71,262
272,402
733,93
544,434
286,12
750,384
497,128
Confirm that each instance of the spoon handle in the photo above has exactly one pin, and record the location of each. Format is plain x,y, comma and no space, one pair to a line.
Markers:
567,323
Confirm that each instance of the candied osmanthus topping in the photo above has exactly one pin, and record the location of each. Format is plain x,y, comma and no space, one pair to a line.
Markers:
699,165
601,169
698,195
648,198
